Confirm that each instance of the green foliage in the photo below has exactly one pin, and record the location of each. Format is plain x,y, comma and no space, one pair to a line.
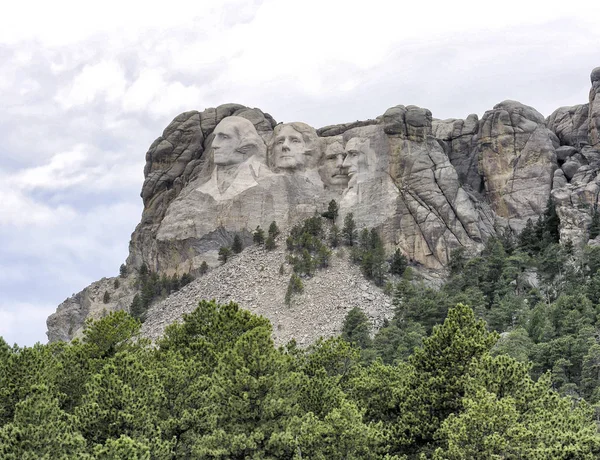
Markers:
370,255
113,333
307,248
332,211
270,243
41,429
349,232
236,247
116,283
203,268
334,236
152,287
398,263
224,254
106,297
356,328
274,230
123,271
295,286
536,237
258,236
216,387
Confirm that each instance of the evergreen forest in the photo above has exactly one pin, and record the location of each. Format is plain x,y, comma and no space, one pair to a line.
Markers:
500,362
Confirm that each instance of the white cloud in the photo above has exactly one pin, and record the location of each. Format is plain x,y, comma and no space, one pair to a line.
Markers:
105,78
86,87
18,210
24,323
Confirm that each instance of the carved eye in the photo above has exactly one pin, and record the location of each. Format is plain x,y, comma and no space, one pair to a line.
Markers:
222,136
279,141
295,140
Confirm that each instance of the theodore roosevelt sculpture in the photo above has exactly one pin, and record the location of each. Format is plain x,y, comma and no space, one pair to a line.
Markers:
332,171
238,159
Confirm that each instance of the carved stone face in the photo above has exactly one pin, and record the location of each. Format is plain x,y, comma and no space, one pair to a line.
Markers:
356,161
288,149
235,140
332,172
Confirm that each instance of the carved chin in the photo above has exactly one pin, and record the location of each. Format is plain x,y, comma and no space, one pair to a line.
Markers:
287,162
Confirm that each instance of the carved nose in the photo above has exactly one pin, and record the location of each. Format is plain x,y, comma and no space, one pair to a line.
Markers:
285,146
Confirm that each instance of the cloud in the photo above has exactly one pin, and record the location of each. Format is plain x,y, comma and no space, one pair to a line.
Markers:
87,87
24,323
103,79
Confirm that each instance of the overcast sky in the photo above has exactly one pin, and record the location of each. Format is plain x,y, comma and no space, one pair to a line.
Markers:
85,87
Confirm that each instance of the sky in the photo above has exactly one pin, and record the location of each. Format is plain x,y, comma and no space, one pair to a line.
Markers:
85,88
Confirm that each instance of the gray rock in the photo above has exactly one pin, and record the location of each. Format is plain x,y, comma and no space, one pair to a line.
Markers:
409,122
594,109
559,179
517,159
458,138
570,168
564,152
427,186
570,124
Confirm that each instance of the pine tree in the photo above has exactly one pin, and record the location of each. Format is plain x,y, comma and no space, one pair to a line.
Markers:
294,286
334,236
224,254
349,231
274,230
106,297
398,263
332,211
203,267
356,328
236,247
259,236
270,243
123,271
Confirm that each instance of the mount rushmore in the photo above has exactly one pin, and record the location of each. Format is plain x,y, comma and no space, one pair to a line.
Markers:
427,186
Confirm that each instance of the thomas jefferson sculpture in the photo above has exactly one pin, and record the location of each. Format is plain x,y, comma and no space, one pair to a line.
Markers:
295,147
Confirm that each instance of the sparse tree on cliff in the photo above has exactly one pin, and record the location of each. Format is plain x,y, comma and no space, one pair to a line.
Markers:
259,236
237,244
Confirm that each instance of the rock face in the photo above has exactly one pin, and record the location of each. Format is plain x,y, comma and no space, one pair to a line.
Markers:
427,186
578,186
517,158
68,320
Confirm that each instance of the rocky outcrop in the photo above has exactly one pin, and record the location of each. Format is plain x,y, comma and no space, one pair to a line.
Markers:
458,138
594,110
578,188
427,186
517,159
570,124
70,316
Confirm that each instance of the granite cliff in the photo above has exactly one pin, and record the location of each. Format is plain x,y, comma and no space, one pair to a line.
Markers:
428,186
